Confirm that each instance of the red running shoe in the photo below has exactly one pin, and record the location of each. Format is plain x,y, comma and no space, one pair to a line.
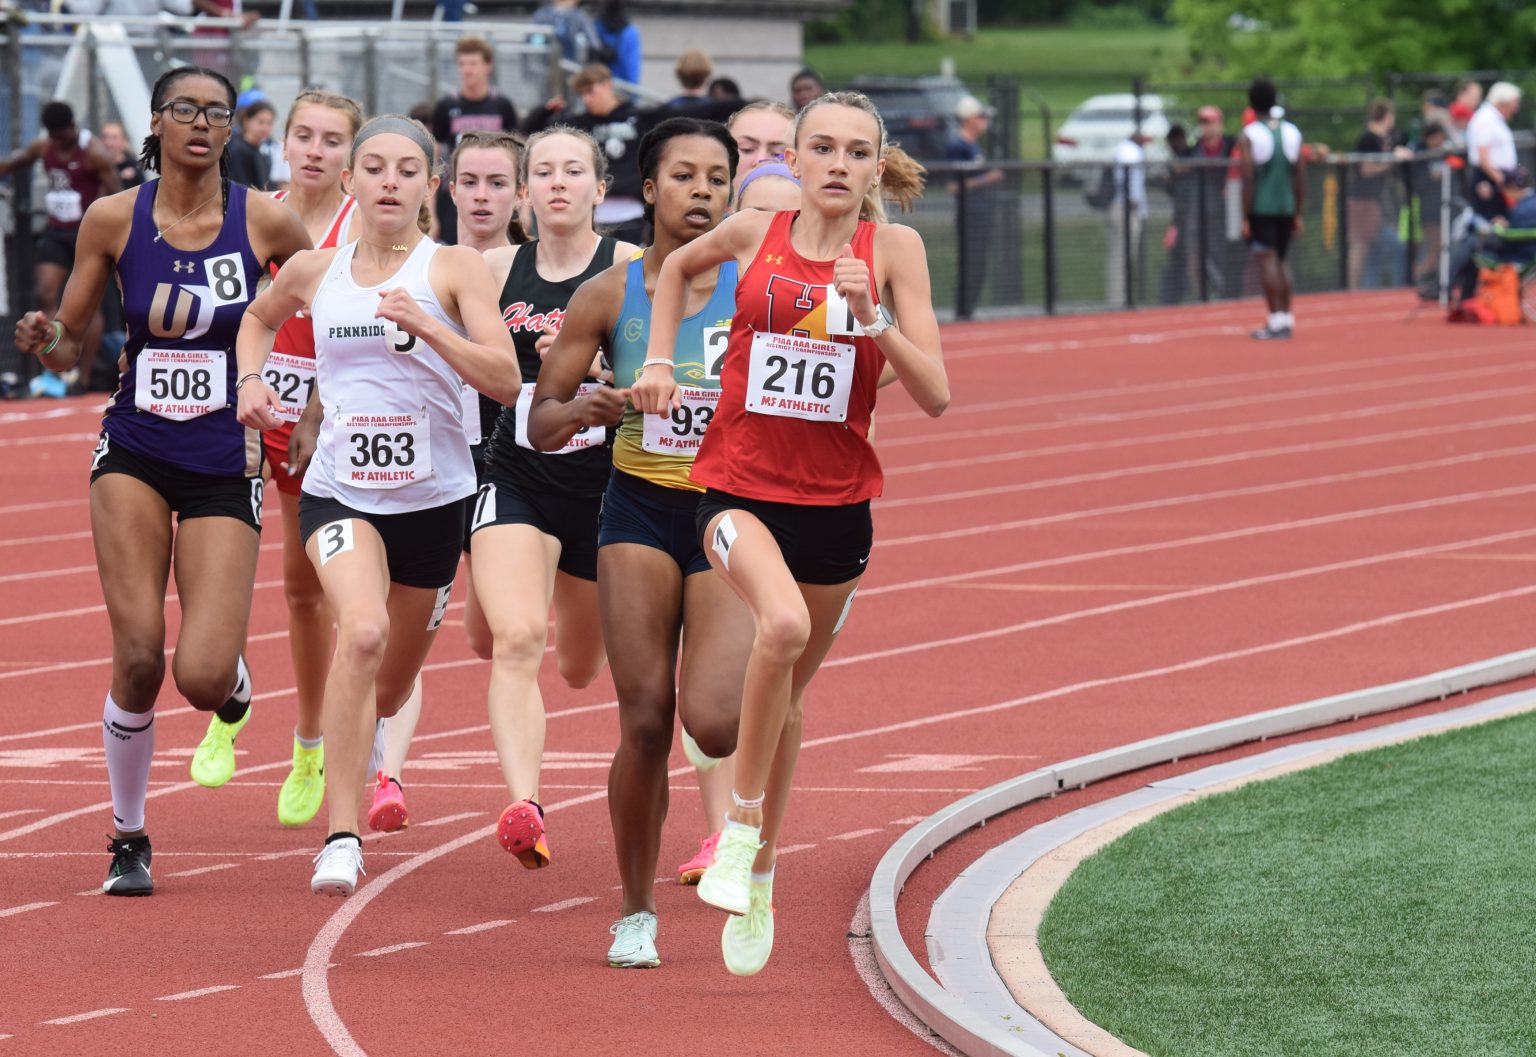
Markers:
521,832
690,872
387,813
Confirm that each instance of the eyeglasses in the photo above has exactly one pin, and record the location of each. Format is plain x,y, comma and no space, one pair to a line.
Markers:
185,113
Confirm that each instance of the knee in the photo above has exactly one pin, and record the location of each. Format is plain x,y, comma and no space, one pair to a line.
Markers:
578,673
205,687
360,642
715,736
519,645
481,642
305,601
648,731
141,669
782,634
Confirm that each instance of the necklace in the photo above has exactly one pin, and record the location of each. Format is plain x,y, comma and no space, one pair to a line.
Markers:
160,232
395,247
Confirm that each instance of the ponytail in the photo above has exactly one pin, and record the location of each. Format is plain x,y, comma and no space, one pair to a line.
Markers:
901,182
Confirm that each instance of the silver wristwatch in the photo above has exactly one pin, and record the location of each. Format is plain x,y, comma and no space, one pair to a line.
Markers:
882,321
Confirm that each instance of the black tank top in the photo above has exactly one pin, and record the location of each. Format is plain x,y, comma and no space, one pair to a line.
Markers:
529,303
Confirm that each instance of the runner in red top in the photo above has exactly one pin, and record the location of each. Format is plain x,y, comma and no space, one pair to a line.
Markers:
789,469
317,142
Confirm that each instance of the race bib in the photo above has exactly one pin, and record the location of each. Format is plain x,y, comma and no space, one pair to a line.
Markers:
292,378
795,377
179,384
716,341
469,397
585,437
383,451
682,432
840,318
64,206
226,279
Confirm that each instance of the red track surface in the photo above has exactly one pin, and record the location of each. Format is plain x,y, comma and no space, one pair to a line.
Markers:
1124,526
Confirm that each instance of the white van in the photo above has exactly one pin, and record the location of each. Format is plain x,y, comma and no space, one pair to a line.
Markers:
1101,124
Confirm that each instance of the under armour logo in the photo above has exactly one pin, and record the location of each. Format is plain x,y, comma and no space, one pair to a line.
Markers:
771,259
176,266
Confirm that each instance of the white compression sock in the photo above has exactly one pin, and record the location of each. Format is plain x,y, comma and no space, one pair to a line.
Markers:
1277,321
129,740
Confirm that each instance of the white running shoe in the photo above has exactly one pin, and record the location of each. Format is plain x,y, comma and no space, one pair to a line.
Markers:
634,942
748,940
725,885
337,867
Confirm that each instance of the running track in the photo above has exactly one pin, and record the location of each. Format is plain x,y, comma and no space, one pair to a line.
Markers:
1124,526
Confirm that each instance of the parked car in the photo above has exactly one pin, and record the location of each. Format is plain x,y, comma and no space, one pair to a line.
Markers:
1093,131
919,112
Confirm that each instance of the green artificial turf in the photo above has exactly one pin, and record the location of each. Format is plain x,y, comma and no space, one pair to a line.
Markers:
1380,905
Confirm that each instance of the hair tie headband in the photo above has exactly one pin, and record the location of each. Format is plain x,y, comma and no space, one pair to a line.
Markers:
766,168
399,125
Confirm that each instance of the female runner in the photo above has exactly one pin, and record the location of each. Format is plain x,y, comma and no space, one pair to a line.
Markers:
789,473
485,193
535,519
399,320
653,579
188,250
316,142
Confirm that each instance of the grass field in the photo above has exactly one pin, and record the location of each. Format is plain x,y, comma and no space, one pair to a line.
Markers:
1064,64
1382,904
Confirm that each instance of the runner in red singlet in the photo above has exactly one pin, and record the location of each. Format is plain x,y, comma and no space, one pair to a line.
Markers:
786,460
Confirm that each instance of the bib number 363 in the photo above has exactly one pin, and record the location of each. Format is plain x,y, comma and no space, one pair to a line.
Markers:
383,451
179,384
795,377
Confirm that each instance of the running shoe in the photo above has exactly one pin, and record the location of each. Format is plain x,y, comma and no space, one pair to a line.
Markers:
129,873
748,940
690,872
337,867
696,755
48,384
213,763
387,813
725,884
521,832
634,942
1269,334
304,789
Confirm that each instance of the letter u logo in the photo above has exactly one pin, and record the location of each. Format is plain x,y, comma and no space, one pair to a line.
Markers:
164,322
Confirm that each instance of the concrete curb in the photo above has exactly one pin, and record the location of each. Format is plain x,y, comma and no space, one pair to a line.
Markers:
976,1030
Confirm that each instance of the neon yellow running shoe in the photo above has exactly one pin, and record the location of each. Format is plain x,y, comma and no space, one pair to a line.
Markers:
748,940
213,763
304,789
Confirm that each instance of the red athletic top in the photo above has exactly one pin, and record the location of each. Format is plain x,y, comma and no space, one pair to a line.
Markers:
296,336
763,452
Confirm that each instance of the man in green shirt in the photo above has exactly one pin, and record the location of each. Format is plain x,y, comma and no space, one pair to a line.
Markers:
1273,168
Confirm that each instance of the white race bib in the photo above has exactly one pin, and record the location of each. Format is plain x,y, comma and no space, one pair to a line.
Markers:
682,432
469,397
840,318
586,437
179,384
795,377
292,378
716,341
383,451
225,277
64,206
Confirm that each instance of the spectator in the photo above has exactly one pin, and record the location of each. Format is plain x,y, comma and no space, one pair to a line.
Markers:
974,199
1127,216
1460,115
1181,230
249,163
763,131
1432,111
221,59
805,86
79,170
692,72
724,88
1491,149
615,123
573,28
1274,182
1219,253
1494,242
477,105
1429,168
115,138
619,40
1374,248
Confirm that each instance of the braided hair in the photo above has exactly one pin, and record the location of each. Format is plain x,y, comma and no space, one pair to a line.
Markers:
149,154
653,146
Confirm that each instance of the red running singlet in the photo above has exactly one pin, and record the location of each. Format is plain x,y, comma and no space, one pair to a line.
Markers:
792,425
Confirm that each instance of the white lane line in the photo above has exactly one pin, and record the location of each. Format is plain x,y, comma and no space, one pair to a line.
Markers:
790,849
57,537
864,963
288,974
75,570
28,508
199,993
21,811
206,869
92,1015
25,908
854,834
445,820
484,926
379,952
565,904
910,820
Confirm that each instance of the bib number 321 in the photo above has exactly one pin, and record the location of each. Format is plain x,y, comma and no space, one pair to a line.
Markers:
795,377
383,451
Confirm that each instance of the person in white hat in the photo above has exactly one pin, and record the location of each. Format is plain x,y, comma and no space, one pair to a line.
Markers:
975,209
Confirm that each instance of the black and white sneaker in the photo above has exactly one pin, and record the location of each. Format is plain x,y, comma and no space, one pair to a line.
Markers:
1271,334
129,875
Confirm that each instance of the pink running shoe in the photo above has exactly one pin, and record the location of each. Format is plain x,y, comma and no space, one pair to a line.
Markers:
387,813
521,832
690,872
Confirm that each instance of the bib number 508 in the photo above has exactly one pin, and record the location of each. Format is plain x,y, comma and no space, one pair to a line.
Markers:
823,377
169,383
383,450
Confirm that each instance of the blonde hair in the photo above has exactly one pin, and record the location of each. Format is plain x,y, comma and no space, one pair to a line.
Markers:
903,179
344,105
771,106
599,158
483,139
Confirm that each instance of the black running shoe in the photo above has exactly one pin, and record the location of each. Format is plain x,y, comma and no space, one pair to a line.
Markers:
129,875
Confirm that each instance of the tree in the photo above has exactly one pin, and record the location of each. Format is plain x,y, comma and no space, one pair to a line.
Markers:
1300,38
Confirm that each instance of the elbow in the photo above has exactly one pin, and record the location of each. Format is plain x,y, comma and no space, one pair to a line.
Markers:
937,404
